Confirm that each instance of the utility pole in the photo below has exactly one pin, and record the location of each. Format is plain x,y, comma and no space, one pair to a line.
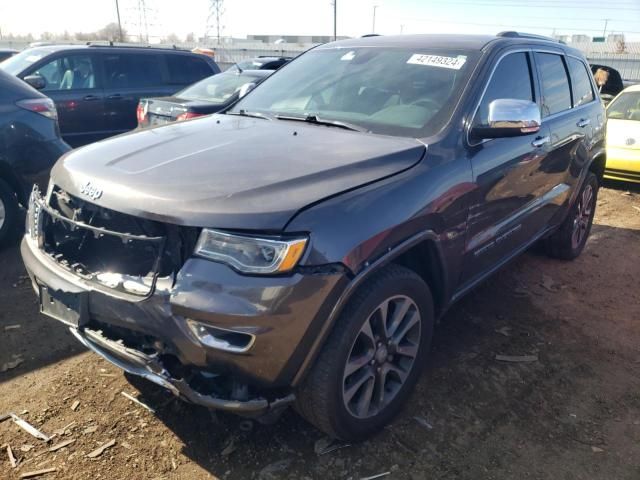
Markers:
335,20
604,32
119,23
373,29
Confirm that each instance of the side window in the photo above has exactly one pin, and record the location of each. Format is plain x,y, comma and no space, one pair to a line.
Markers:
580,82
185,69
129,70
510,79
556,95
73,72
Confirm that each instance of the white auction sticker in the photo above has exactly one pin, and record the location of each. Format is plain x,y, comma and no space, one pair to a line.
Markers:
454,63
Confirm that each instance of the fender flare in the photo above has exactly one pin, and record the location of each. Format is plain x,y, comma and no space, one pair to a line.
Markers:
369,269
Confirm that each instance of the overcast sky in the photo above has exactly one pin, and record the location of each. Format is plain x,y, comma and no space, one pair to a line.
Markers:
315,17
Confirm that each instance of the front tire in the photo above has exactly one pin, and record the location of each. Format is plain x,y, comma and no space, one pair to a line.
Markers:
372,358
569,240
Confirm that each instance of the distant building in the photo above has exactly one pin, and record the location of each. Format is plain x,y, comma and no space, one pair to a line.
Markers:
580,38
562,38
615,37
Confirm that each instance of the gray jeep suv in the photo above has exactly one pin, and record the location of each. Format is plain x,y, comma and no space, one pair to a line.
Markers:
298,248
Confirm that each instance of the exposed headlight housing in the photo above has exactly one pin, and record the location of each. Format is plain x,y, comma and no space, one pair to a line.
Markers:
250,254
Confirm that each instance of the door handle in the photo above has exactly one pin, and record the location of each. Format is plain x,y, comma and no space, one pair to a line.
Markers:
583,122
541,141
115,96
90,98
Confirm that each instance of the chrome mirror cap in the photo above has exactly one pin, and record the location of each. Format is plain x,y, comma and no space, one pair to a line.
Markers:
509,117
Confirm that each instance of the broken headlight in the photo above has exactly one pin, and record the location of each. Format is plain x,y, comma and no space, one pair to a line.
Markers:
250,254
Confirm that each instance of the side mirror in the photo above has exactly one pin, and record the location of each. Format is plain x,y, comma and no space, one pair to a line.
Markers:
509,117
246,88
36,81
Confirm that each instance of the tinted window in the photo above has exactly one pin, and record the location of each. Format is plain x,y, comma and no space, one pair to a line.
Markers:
556,95
73,72
580,82
511,79
387,90
132,70
184,69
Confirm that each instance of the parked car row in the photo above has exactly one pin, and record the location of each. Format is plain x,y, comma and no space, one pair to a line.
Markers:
96,88
297,248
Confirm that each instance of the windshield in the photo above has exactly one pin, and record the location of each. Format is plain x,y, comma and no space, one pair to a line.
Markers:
625,107
391,91
218,88
19,62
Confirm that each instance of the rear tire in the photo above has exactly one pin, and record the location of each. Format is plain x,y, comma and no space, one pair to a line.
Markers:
365,371
569,240
9,210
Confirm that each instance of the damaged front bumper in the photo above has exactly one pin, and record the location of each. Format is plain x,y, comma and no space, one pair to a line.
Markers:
151,368
159,334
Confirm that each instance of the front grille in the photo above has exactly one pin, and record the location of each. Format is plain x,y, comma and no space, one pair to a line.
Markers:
114,250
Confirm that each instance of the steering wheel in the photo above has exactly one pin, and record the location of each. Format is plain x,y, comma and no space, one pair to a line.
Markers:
427,103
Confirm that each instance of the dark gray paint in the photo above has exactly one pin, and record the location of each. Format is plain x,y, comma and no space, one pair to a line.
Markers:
231,172
364,199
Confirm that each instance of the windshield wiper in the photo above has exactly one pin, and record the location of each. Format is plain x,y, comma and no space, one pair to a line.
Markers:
244,113
322,121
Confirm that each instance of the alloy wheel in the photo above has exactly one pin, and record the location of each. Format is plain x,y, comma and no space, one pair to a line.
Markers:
381,357
583,217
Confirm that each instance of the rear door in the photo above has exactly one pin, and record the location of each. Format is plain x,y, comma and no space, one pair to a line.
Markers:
129,76
508,173
570,128
73,82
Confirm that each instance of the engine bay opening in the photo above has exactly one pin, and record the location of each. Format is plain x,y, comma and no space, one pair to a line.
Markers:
115,250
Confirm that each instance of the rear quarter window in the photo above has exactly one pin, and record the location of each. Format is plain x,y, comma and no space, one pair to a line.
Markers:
580,82
185,69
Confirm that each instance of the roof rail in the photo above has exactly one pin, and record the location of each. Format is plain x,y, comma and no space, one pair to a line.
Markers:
367,35
513,34
111,43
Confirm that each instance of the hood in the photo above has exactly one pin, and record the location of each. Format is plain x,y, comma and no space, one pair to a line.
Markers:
623,133
230,172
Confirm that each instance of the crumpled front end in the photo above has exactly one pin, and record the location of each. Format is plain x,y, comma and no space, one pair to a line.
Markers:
131,291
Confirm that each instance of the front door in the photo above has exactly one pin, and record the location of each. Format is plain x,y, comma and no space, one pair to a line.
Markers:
509,177
73,83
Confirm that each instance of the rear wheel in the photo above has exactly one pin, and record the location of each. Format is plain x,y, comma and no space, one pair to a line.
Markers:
9,210
373,357
569,240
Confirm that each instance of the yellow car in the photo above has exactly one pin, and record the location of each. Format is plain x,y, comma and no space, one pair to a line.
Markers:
623,136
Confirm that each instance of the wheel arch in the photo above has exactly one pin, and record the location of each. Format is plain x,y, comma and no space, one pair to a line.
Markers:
9,176
419,247
598,165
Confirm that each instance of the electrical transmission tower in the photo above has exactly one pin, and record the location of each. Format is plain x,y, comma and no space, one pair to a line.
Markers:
143,20
216,10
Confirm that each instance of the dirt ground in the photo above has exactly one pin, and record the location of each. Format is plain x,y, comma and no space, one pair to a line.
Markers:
574,413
